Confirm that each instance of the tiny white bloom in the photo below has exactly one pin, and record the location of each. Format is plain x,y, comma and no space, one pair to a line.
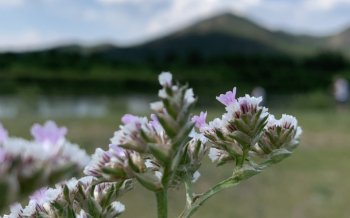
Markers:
189,96
214,154
165,79
196,175
118,207
157,106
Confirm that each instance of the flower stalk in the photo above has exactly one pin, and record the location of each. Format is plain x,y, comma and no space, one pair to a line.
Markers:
162,203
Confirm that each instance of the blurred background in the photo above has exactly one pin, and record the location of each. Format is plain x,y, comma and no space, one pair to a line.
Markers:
85,63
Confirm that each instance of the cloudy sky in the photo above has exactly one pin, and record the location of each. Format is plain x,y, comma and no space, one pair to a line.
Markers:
30,24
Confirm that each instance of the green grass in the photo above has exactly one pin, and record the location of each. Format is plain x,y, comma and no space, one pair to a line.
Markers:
313,182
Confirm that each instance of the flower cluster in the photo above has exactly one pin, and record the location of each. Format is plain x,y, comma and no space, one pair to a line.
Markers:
148,150
246,129
70,197
28,165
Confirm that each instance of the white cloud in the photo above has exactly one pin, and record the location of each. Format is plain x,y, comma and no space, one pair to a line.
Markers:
25,39
181,12
323,5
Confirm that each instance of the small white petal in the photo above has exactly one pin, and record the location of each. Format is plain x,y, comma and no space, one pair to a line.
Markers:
213,154
196,175
165,79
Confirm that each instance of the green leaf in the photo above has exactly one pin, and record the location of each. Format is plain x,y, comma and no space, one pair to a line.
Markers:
118,172
110,195
197,148
80,196
245,118
170,108
275,157
169,91
68,212
261,123
133,166
92,207
149,181
286,135
220,135
241,138
185,158
225,160
170,130
176,160
255,118
210,137
57,206
257,138
279,129
241,125
144,136
272,139
229,149
66,193
160,152
182,137
119,185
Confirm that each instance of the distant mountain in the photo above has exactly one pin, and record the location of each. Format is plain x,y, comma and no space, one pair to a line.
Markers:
220,35
341,42
231,34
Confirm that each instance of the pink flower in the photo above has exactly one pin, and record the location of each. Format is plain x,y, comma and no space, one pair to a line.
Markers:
118,152
49,132
200,120
39,195
128,118
154,123
228,98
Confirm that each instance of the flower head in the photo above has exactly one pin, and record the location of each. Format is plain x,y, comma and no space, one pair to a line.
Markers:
228,98
48,133
165,79
128,118
189,96
39,195
288,121
200,120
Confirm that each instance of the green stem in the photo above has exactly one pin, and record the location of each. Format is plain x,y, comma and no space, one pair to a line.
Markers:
189,192
232,181
162,203
240,160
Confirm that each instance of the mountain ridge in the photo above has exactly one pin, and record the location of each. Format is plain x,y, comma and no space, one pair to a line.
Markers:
221,35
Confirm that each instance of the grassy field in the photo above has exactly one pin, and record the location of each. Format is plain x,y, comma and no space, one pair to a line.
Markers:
313,182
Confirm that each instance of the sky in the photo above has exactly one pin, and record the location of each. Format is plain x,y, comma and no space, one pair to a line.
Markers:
35,24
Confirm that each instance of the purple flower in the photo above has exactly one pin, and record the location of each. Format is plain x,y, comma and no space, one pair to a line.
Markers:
228,98
39,195
200,120
49,132
155,123
3,133
128,118
118,151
